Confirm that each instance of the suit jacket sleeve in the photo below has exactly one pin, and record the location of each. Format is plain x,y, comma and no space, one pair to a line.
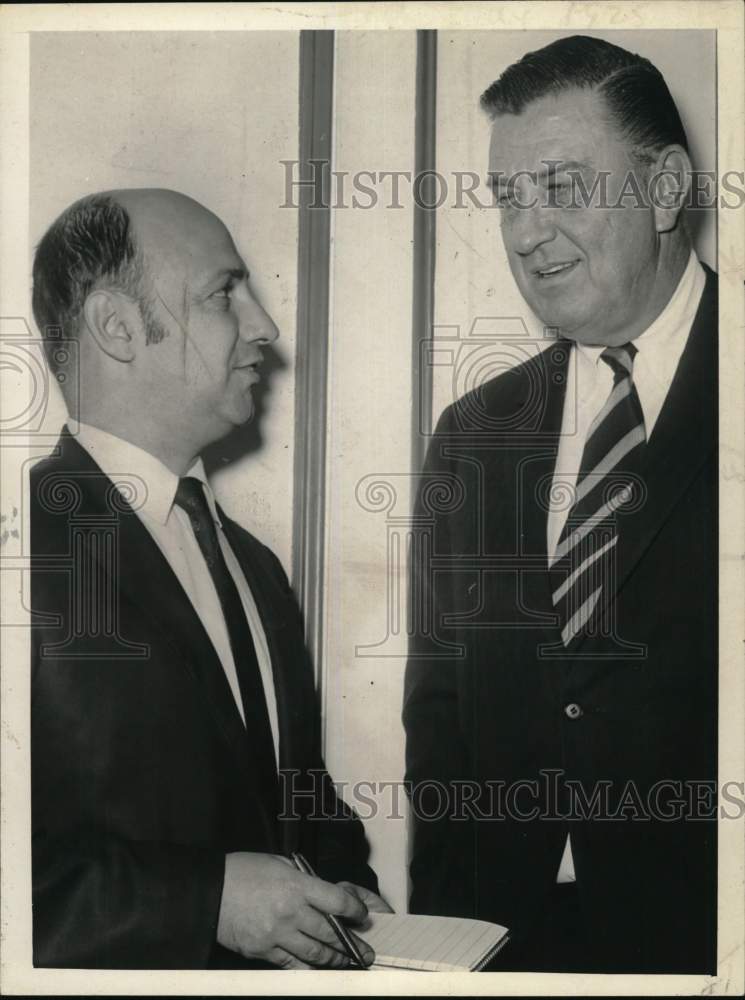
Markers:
101,900
437,770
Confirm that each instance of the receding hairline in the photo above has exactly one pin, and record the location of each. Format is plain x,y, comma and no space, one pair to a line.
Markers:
123,196
171,214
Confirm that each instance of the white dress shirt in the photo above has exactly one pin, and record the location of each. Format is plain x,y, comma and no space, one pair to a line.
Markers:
589,382
171,529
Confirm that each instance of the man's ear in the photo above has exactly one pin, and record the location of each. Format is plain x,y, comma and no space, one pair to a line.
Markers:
110,318
670,184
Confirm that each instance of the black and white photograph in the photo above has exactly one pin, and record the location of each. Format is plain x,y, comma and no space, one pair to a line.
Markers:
373,522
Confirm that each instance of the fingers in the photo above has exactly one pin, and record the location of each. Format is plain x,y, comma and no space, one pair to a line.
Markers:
368,955
376,904
356,890
332,899
313,952
284,960
315,925
373,902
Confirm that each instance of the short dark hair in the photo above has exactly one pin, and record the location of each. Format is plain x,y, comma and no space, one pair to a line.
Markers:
90,243
635,91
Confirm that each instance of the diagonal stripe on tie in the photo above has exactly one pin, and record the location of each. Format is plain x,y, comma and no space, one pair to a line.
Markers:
618,392
611,460
577,534
580,618
585,565
583,562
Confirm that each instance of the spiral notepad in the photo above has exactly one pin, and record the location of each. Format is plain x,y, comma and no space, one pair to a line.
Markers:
431,944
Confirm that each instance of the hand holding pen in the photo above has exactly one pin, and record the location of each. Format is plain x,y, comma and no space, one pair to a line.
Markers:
346,939
273,912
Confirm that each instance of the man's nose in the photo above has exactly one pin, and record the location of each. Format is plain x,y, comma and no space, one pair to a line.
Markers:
255,323
529,228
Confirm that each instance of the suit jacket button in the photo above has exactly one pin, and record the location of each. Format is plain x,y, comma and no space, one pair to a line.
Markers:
572,710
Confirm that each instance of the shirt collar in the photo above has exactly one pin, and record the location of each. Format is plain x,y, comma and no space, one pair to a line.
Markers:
588,355
120,459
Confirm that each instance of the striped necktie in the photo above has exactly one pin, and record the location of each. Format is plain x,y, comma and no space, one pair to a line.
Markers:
584,562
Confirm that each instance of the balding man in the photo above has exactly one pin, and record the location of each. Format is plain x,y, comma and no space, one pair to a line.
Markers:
175,750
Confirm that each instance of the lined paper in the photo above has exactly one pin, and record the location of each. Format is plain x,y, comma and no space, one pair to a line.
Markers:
430,944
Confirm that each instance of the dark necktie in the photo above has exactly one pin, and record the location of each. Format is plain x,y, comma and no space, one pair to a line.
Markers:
607,483
190,497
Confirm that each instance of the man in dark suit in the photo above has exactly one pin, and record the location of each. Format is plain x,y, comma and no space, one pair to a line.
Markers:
561,709
175,757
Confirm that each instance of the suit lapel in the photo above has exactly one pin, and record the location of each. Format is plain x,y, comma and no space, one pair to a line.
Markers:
683,438
145,579
536,462
269,602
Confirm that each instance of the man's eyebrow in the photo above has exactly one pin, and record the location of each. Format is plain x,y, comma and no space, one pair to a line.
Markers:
223,273
496,179
239,273
217,279
552,167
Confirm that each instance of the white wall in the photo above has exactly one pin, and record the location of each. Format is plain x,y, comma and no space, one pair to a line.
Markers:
210,114
368,434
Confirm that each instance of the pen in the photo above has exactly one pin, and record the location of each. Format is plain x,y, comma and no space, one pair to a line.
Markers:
341,932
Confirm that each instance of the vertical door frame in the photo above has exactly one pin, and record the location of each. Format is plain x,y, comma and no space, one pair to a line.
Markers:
425,243
316,95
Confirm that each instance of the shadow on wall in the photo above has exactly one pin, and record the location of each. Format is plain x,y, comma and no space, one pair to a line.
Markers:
247,440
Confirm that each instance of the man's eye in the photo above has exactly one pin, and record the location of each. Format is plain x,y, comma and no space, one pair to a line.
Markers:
559,192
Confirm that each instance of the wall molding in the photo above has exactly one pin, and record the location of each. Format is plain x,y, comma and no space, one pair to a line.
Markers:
316,89
425,243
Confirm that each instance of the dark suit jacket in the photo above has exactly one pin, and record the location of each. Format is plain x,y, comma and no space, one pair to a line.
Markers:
141,777
487,698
